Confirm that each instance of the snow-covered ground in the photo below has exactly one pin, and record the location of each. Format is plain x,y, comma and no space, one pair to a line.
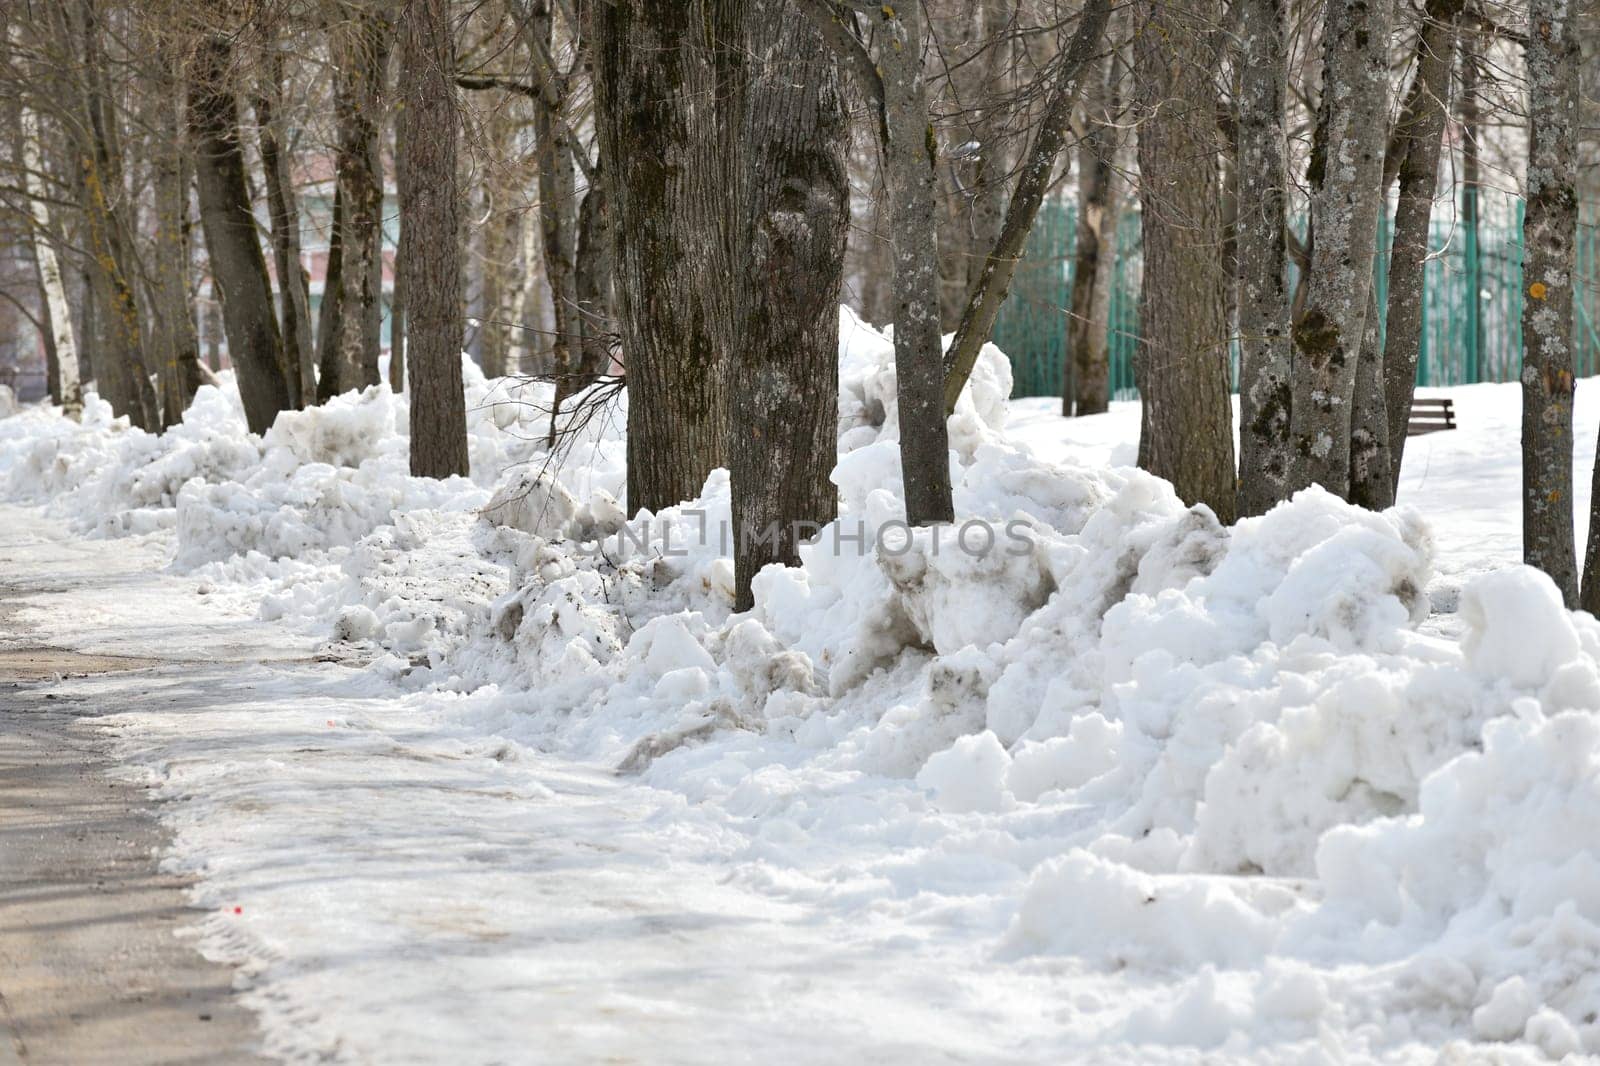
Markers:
480,771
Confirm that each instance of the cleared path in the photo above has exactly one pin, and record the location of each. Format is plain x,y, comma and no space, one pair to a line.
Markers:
92,969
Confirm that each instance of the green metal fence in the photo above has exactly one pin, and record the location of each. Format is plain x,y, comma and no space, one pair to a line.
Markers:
1464,339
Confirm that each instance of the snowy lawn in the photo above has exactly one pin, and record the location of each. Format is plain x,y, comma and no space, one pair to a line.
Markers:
1324,787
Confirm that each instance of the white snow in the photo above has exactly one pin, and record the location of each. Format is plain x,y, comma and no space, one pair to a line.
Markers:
1125,786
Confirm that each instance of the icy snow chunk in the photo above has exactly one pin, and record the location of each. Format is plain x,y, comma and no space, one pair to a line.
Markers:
1090,748
355,623
1517,627
970,776
1507,1013
665,644
344,430
533,502
1084,905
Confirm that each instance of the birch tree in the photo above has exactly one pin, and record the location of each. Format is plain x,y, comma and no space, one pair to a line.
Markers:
44,252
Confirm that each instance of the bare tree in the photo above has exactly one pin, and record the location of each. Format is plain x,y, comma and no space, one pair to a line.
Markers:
430,212
1000,266
1087,388
644,79
117,358
1420,135
893,80
66,387
788,235
360,41
1550,227
176,347
283,208
1265,378
238,267
1344,216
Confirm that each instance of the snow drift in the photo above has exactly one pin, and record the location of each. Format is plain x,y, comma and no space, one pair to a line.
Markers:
1088,718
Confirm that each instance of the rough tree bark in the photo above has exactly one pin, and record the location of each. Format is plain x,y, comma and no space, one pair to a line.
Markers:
430,206
1550,231
1344,213
1187,436
284,214
1265,382
1087,390
1000,266
238,267
644,76
594,287
789,239
1421,135
361,43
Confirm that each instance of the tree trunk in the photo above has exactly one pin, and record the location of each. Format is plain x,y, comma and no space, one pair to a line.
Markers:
1471,185
644,77
361,44
1265,381
989,172
284,213
594,287
238,268
211,314
430,205
1371,479
783,432
1185,396
913,202
498,231
1421,135
1087,389
177,347
1550,231
397,311
330,319
1344,213
47,337
558,215
65,387
117,360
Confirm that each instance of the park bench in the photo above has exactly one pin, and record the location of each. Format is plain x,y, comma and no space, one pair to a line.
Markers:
1430,415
